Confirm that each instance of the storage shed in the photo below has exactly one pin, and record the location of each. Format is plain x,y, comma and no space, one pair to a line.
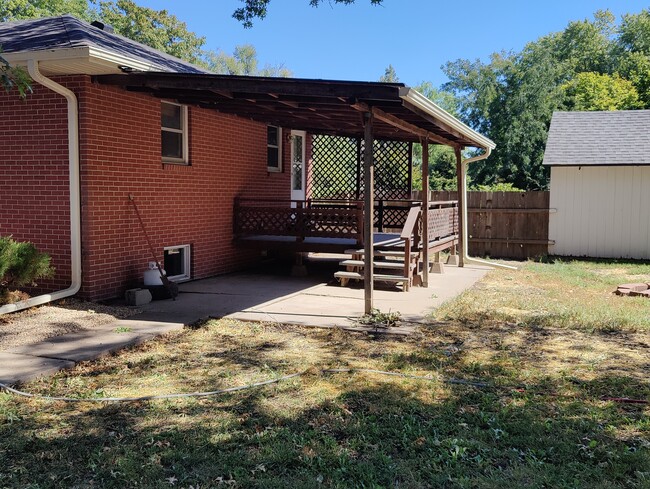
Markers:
600,184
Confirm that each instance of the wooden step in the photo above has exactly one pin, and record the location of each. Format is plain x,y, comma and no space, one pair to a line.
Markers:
399,254
393,265
345,276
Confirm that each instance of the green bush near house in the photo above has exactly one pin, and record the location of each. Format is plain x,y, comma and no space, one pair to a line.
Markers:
20,264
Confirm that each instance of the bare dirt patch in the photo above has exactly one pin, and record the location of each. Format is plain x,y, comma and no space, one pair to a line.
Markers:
67,316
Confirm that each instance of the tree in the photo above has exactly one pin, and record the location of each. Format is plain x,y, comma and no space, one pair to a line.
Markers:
593,91
155,28
634,47
389,76
242,62
30,9
257,9
590,65
635,32
442,159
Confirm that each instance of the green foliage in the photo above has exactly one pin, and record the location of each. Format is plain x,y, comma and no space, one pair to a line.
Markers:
593,91
243,62
14,78
21,264
257,9
155,28
30,9
442,160
497,187
389,76
635,32
379,319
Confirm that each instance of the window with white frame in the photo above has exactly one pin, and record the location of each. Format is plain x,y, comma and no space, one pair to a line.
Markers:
274,148
173,133
177,262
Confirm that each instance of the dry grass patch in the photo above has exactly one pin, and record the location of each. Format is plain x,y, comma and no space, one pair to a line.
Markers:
542,422
572,294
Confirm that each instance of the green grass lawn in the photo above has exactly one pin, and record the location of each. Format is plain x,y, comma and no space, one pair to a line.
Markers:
550,357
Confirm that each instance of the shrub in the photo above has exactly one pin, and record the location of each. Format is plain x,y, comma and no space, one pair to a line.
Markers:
20,264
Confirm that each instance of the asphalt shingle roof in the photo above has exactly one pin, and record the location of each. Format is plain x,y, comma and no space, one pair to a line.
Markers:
67,31
599,138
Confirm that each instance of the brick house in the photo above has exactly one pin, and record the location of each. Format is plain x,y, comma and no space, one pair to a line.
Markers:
110,118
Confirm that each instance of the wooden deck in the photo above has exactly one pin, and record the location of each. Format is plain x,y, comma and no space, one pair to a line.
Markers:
337,227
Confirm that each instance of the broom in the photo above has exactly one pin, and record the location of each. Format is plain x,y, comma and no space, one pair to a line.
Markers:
171,287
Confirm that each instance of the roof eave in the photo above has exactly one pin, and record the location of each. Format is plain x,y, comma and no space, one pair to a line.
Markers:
91,54
423,103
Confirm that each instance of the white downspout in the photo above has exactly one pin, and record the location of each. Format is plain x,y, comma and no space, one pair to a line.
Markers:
463,210
75,201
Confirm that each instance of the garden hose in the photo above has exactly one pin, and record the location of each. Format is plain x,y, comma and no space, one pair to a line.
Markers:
238,388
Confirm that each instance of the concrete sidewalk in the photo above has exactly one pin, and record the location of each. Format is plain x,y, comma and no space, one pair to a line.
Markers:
308,301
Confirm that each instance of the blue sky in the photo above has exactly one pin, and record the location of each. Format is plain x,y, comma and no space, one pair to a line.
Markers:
358,42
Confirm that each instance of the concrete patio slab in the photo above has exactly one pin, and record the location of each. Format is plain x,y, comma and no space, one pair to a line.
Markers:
315,300
76,347
328,305
16,368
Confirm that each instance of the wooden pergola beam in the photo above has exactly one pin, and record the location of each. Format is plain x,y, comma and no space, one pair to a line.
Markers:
403,125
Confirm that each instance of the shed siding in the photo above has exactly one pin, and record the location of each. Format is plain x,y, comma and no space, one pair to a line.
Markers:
602,212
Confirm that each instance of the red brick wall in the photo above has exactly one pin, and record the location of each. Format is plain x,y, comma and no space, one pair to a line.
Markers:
120,155
179,204
34,195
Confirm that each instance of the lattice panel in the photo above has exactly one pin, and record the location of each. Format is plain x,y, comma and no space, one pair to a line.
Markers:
334,170
392,169
390,216
337,171
443,222
330,223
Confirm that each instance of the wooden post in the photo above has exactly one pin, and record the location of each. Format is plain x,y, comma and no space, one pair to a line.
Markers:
368,212
462,203
425,213
410,182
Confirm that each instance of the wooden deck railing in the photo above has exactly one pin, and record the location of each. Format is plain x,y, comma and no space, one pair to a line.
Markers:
291,218
342,219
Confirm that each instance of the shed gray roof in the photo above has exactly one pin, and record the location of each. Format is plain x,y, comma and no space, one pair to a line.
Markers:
67,31
619,137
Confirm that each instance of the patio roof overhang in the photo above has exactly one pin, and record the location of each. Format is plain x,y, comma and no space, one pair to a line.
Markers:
317,106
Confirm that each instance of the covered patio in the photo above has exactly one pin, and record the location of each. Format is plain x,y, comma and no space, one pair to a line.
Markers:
314,300
375,115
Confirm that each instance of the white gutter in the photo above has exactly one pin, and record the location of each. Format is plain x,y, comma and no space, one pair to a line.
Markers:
463,210
423,103
75,203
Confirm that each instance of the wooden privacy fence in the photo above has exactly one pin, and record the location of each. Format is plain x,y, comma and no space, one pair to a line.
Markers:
504,224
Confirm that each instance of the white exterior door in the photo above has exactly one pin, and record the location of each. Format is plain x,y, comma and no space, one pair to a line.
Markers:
298,169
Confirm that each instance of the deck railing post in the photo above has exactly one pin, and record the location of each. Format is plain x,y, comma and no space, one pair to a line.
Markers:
368,218
425,213
460,184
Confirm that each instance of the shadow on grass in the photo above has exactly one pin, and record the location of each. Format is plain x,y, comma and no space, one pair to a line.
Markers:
371,434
